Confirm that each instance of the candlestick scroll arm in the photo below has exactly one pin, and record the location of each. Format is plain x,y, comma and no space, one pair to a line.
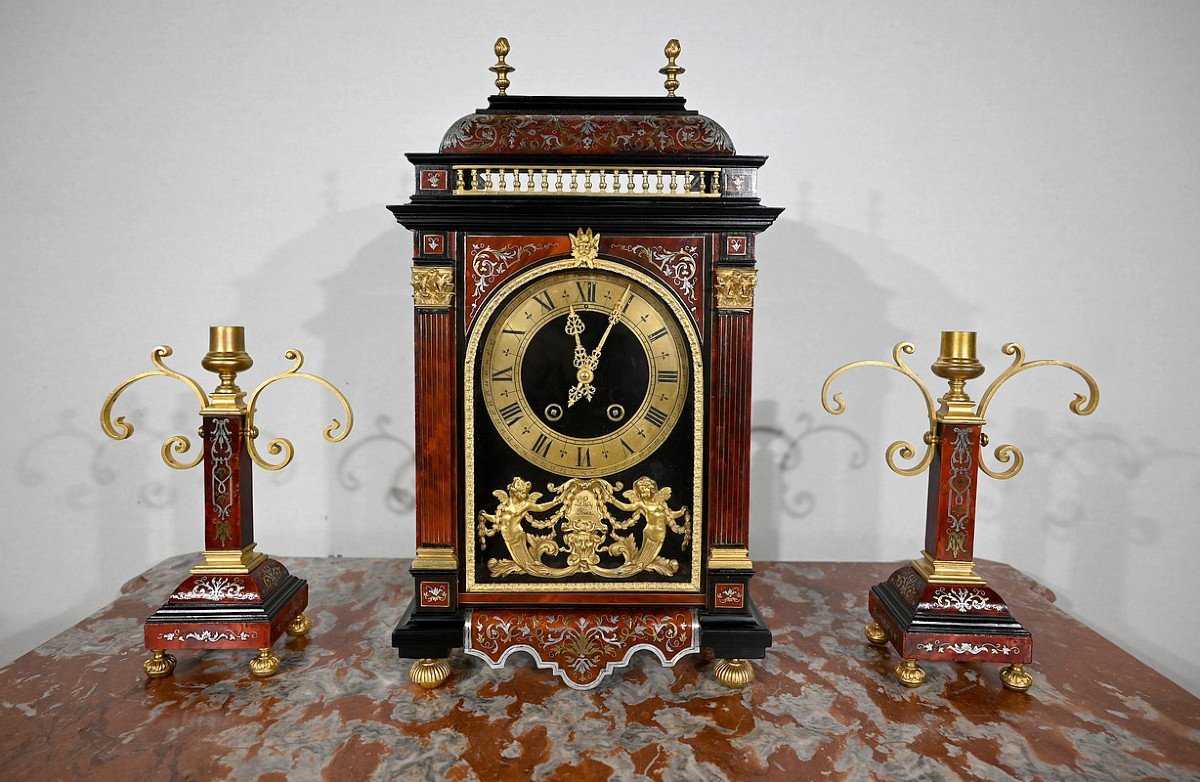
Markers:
1081,405
120,429
335,432
905,450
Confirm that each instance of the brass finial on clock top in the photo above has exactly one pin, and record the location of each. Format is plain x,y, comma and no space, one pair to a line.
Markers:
501,68
671,70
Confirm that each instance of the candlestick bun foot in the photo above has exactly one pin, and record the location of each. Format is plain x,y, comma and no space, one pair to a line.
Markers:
1014,677
159,665
910,674
876,634
299,627
265,664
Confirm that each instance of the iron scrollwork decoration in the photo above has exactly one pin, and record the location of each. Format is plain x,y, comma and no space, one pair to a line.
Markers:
957,370
227,397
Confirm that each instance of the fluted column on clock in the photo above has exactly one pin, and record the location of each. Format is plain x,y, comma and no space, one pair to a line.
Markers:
436,422
732,335
733,331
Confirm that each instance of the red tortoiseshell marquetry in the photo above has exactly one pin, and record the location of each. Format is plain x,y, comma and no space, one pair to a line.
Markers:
228,498
940,619
190,633
729,429
436,427
582,646
587,134
676,260
954,479
492,259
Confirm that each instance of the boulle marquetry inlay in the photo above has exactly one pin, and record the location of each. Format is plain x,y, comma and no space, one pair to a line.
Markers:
579,458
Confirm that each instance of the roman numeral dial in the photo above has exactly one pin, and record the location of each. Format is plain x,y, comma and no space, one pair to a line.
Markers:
584,372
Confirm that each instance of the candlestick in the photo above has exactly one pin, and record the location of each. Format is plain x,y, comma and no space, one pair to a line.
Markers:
938,607
236,597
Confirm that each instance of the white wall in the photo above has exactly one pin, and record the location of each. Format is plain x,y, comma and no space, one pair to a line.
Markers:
1025,170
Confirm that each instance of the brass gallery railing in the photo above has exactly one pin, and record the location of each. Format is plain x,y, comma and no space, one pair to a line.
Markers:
652,181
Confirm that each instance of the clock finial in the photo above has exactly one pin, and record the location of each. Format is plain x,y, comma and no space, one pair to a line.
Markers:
671,70
501,68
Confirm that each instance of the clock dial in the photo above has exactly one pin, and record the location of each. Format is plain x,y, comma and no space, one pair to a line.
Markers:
584,372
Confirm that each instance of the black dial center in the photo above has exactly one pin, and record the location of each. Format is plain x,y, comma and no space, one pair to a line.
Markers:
621,376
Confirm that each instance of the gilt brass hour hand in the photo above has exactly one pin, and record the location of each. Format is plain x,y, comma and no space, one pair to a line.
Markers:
586,363
582,362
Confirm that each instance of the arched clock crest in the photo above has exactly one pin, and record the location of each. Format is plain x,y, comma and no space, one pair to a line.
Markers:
584,298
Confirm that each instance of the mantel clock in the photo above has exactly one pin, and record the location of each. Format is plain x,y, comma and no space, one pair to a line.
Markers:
583,279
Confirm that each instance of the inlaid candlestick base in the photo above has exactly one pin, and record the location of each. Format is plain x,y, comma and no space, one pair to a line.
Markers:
965,622
248,611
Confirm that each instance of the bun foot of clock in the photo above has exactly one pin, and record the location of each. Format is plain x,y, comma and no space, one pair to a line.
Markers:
429,673
159,665
734,674
299,627
1014,677
909,674
876,634
266,664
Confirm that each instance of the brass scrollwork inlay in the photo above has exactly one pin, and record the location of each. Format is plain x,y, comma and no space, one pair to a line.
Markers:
120,429
1080,405
335,432
586,526
735,288
901,448
433,286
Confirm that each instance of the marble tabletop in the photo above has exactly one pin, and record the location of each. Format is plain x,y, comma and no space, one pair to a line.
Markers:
825,705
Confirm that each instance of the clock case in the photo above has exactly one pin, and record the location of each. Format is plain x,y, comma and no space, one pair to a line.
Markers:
505,193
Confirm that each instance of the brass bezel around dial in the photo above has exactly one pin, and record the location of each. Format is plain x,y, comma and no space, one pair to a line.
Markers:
552,300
